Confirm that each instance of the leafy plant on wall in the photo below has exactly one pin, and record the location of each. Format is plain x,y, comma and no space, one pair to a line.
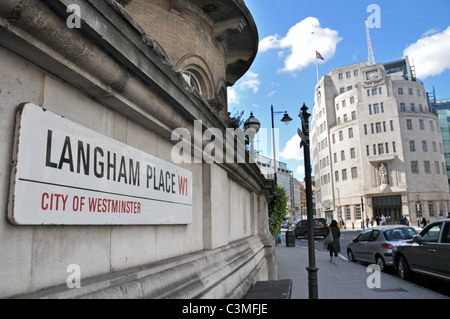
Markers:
277,210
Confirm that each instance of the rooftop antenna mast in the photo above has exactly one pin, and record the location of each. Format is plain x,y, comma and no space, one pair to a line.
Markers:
369,45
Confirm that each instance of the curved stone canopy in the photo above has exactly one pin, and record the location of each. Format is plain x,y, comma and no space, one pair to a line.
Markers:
234,24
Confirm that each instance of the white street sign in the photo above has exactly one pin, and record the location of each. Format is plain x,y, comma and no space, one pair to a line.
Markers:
66,174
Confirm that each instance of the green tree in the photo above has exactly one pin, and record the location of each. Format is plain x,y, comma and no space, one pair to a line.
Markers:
277,210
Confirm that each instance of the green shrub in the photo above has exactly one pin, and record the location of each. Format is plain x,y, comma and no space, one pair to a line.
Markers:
277,210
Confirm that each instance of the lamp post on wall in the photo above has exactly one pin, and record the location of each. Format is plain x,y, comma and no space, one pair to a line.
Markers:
312,269
252,126
286,119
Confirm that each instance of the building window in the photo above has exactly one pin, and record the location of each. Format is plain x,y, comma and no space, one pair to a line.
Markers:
409,125
192,80
410,91
424,146
402,107
376,108
336,176
354,172
392,125
352,100
400,91
350,132
355,72
427,167
431,126
348,214
421,125
347,74
380,149
365,129
436,167
352,153
344,174
393,147
414,167
431,209
378,127
412,146
340,76
358,212
354,115
341,136
368,150
342,155
387,148
335,157
413,107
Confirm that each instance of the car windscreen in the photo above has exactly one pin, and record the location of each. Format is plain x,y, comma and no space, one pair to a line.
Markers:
399,234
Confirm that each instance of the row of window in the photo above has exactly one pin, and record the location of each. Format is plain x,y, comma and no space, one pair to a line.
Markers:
343,174
427,167
380,149
410,127
348,74
410,92
412,146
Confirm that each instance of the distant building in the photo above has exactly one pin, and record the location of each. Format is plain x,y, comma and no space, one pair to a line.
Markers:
285,179
377,146
443,110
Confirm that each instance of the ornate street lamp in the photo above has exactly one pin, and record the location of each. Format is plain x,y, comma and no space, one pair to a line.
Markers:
252,126
286,119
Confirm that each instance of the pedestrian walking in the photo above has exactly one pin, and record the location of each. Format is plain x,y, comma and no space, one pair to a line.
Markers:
383,220
367,222
334,247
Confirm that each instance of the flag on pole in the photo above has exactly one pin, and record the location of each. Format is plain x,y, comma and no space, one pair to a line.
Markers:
318,56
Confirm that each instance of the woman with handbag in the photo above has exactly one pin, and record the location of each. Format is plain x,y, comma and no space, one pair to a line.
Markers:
332,241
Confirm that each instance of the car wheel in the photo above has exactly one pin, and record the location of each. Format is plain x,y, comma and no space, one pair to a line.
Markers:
350,255
403,269
380,262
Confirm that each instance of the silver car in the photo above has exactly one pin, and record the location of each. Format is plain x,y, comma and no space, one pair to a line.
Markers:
376,245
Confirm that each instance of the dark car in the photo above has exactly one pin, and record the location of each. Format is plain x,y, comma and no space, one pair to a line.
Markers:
320,228
427,253
376,245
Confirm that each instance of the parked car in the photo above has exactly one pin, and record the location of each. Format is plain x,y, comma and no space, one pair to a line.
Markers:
428,253
376,245
320,228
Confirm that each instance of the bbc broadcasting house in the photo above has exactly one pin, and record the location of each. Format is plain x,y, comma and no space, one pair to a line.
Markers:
377,146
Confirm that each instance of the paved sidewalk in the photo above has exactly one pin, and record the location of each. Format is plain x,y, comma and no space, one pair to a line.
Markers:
346,280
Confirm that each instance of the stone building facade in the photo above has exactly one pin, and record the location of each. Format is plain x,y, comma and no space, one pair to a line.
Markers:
89,104
377,146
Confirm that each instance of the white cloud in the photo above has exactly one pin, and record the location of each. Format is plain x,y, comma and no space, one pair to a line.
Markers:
250,81
430,53
292,149
300,43
233,98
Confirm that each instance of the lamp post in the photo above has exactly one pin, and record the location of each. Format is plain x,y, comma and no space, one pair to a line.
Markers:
312,269
286,119
251,127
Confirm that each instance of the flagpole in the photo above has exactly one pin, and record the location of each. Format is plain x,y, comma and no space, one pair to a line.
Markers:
317,68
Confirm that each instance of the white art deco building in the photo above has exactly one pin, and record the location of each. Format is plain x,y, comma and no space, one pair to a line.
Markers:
377,146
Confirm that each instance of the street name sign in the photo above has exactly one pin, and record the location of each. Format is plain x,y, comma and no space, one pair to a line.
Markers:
66,174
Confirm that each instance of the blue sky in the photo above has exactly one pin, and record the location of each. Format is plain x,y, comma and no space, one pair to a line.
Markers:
284,71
